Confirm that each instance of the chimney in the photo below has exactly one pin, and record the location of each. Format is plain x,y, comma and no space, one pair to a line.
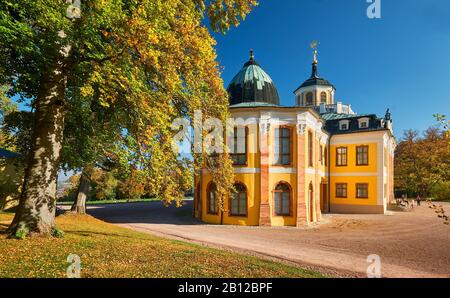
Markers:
339,108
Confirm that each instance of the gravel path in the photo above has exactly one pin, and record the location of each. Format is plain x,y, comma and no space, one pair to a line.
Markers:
410,244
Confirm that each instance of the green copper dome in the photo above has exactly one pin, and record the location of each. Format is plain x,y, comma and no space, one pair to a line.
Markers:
252,85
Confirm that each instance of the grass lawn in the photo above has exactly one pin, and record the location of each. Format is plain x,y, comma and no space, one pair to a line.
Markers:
110,251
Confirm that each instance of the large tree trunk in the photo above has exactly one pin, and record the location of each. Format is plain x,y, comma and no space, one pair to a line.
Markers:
79,206
36,211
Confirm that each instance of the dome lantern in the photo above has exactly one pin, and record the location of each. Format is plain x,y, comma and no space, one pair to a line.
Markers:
315,90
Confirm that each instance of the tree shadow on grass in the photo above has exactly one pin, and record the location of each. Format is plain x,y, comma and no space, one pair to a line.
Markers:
93,234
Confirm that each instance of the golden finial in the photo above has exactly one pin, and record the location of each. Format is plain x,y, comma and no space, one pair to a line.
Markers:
314,44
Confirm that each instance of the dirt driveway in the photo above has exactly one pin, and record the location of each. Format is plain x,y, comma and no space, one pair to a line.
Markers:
411,244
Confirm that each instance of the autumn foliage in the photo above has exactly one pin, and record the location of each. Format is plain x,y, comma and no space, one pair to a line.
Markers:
110,82
422,164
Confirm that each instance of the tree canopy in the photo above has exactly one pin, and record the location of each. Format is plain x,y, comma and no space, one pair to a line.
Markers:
422,163
6,108
108,83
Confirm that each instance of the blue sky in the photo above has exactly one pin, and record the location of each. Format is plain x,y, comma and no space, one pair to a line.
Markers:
401,61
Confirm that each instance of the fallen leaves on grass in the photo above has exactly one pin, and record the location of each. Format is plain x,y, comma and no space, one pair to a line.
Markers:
109,251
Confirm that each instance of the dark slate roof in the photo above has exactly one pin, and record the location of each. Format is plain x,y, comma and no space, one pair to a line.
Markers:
333,120
315,80
333,116
253,85
7,154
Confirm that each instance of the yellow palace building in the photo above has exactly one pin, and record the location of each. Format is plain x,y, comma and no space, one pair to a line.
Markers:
299,162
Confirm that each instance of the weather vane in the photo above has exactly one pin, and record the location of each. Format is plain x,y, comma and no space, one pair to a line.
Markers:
314,44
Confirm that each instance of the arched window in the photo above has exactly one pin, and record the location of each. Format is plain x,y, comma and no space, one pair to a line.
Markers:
213,207
309,99
323,97
238,201
282,199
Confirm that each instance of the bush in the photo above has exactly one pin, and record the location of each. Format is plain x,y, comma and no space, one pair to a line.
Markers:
57,233
21,233
441,191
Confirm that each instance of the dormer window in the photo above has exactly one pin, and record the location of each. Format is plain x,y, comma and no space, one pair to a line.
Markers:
344,125
363,123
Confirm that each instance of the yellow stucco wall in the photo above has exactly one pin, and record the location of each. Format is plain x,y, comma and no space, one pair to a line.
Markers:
351,159
351,190
322,176
368,174
278,174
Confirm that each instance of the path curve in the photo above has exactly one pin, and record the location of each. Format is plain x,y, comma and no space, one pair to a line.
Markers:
411,244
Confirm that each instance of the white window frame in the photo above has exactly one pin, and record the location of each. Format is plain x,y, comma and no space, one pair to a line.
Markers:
344,122
363,120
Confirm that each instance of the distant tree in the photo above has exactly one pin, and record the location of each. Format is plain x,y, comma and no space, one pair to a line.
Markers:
132,187
422,162
442,119
104,185
70,188
441,191
6,107
17,130
82,192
